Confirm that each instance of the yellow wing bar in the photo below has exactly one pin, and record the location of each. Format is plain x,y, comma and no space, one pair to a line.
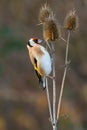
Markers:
37,70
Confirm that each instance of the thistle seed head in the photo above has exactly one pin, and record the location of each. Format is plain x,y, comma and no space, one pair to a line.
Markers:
71,21
50,29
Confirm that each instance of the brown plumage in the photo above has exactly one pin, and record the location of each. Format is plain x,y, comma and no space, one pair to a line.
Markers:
33,52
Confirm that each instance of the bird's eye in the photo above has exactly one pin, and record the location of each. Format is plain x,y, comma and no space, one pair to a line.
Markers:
35,40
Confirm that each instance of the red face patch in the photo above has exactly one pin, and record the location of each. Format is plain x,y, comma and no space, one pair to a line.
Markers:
37,41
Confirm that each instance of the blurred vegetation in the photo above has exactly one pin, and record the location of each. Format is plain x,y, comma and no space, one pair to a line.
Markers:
11,42
23,105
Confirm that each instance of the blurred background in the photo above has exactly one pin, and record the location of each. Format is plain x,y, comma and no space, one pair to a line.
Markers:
23,105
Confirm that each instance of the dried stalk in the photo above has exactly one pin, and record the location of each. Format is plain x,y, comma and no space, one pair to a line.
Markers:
63,39
53,120
54,88
64,75
49,103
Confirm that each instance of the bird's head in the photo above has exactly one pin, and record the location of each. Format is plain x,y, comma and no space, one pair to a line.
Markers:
33,41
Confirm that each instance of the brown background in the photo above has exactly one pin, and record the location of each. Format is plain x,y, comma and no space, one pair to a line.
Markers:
23,105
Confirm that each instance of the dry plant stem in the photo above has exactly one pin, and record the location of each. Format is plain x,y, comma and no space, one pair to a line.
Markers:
54,88
48,98
48,45
63,39
64,75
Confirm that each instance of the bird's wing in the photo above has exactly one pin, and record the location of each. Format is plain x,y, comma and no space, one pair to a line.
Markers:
36,68
37,71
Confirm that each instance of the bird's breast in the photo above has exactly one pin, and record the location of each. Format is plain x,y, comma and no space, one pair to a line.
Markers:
45,65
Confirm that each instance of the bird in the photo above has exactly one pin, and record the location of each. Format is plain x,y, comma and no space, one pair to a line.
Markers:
40,59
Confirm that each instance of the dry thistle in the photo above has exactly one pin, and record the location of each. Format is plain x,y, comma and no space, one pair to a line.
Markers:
71,21
44,13
50,29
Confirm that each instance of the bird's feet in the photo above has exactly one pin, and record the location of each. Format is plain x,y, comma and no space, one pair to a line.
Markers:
51,77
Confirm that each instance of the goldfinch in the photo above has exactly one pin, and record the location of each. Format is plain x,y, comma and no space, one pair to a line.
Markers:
40,59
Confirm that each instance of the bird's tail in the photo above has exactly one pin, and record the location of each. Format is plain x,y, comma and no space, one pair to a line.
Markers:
42,80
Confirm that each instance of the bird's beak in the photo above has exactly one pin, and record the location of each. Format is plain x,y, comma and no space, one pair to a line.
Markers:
39,41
